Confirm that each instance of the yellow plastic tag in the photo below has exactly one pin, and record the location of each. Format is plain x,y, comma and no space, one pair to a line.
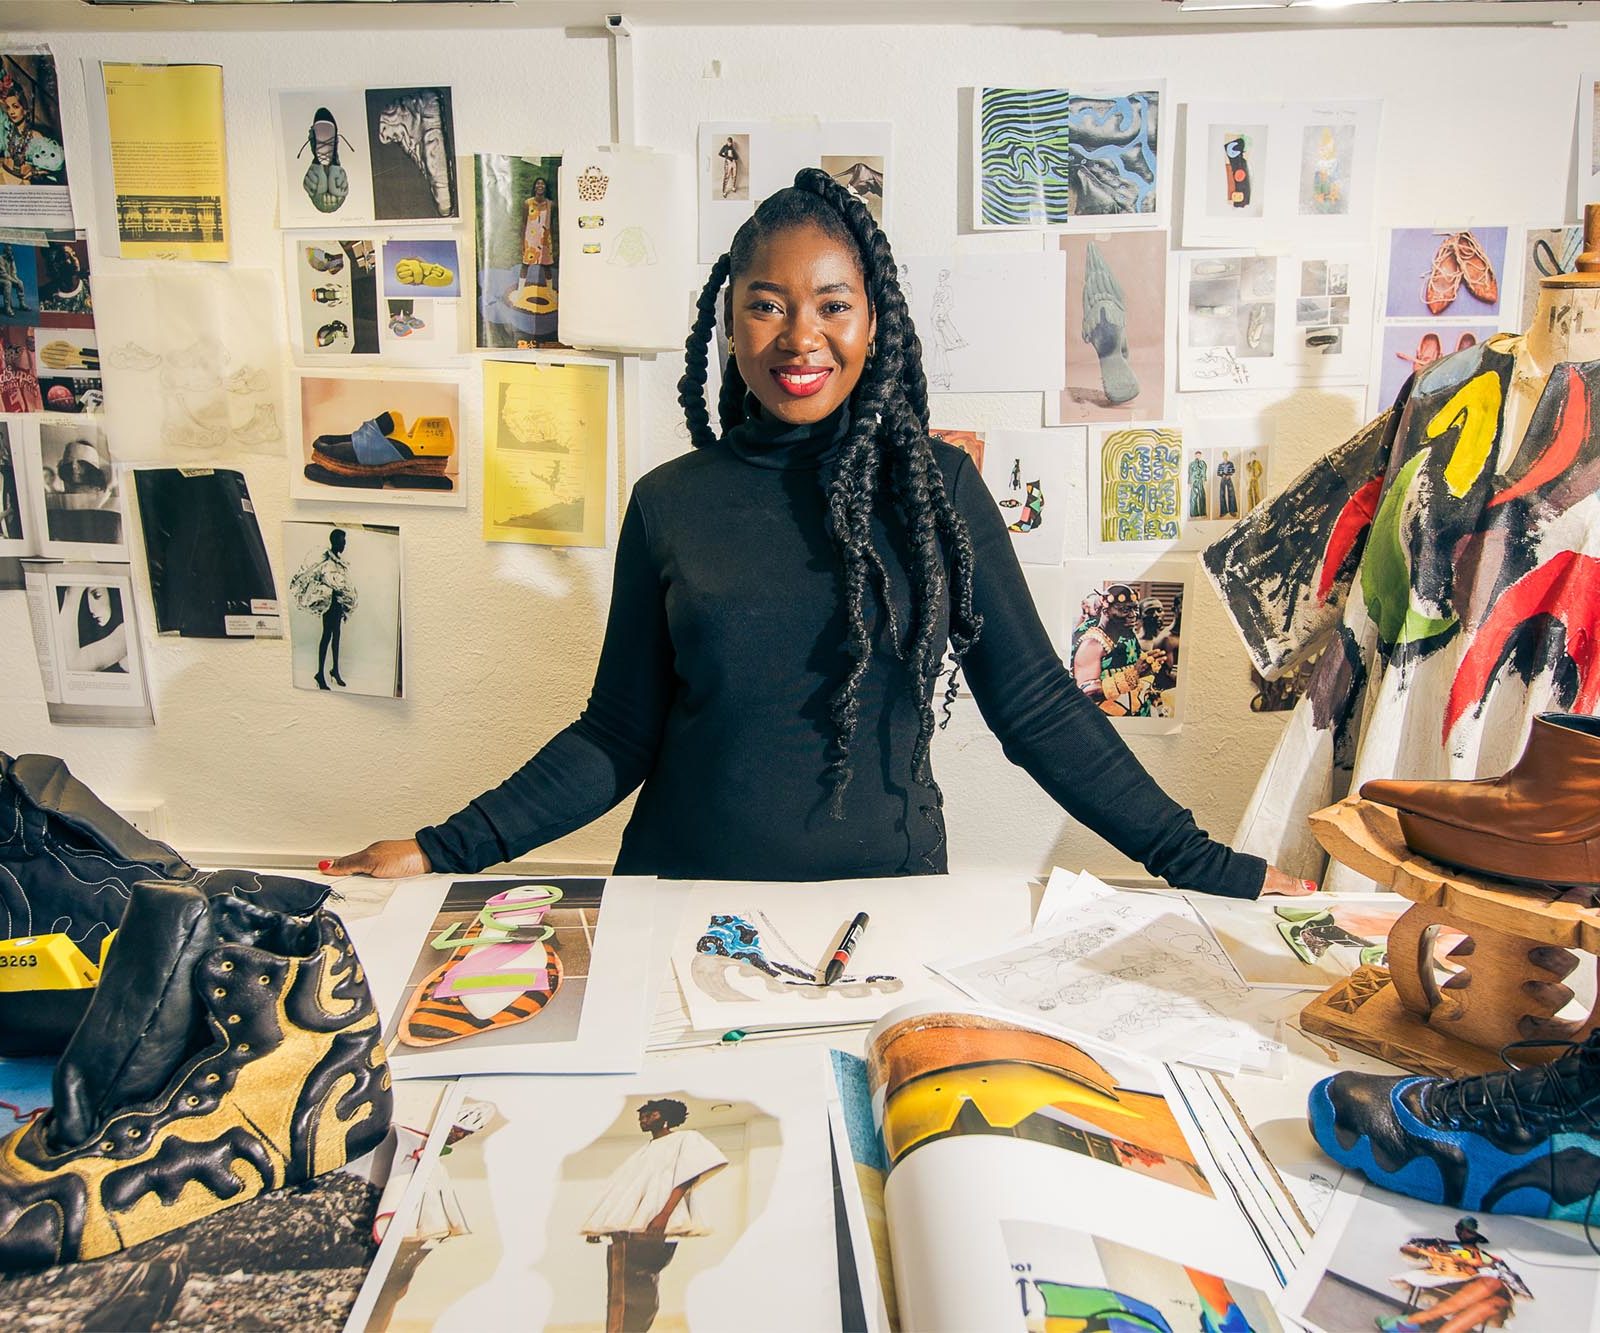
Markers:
45,962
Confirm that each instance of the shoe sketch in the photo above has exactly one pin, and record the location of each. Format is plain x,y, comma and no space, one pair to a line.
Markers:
247,379
633,248
262,428
184,432
130,356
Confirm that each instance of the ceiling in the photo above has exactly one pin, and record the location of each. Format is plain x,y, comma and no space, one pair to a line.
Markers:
1078,15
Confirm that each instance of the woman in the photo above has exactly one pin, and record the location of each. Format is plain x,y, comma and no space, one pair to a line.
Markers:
94,633
323,586
782,600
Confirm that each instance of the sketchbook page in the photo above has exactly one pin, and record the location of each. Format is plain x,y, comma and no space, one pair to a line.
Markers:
991,1124
527,975
192,357
751,955
1139,969
989,323
627,252
1382,1256
551,1191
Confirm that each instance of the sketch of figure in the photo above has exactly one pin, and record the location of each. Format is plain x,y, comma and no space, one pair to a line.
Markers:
647,1208
1197,486
731,162
946,337
1252,489
1227,496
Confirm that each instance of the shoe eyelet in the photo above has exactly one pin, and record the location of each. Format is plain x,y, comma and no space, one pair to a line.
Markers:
108,1146
218,991
191,1100
213,1078
243,1047
233,1018
225,967
136,1133
265,980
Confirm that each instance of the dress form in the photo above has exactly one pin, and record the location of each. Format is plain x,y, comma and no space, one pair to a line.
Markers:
1565,328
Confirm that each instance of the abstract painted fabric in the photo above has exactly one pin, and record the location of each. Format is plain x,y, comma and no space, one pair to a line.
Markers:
1451,577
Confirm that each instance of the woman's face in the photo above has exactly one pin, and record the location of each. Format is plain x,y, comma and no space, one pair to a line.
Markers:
801,324
99,600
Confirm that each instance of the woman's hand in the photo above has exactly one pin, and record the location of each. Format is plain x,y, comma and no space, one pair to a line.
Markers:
1284,885
395,858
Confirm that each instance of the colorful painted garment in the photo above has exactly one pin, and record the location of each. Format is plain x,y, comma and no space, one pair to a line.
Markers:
1451,578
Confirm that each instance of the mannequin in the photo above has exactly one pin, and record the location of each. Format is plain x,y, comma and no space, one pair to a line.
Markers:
1565,328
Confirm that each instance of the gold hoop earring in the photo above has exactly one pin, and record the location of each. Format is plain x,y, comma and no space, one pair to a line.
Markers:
872,349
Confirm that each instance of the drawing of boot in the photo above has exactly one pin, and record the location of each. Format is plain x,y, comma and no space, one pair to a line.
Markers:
1105,327
247,379
231,1049
262,428
180,428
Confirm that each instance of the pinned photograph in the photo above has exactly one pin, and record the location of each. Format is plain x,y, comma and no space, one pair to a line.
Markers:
411,139
1235,184
345,615
1116,316
86,634
19,371
33,158
1126,643
82,491
1327,168
336,296
1135,487
324,169
1224,475
862,176
1409,348
518,250
730,173
970,442
421,267
15,537
1445,273
1548,252
389,437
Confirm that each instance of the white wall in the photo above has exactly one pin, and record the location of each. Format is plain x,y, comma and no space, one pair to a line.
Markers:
1478,127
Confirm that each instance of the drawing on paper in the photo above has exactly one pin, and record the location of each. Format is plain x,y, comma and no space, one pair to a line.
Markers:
731,950
1139,484
1070,1279
731,177
1327,159
949,1075
505,963
862,176
1047,155
946,337
1125,647
1237,163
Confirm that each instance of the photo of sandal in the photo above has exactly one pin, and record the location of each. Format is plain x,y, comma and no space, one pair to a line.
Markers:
1476,270
1443,282
383,450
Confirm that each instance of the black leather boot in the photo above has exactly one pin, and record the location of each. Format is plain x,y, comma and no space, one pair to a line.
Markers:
231,1048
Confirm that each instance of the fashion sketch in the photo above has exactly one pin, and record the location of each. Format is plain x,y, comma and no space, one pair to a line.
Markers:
946,337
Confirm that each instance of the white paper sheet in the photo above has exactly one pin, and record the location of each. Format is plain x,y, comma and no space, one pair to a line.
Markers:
627,252
989,323
86,635
1258,172
192,356
1026,471
764,157
1140,970
1249,321
750,955
507,1249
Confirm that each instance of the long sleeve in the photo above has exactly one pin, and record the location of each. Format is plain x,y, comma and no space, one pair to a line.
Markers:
1049,728
593,764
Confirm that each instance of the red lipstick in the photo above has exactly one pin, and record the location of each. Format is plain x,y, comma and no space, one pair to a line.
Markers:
801,381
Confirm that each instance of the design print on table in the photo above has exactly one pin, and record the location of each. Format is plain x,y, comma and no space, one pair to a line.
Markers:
732,941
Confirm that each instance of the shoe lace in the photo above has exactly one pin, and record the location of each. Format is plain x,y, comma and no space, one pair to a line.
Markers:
1550,1091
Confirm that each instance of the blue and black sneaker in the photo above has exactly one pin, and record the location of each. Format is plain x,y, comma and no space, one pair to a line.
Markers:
1520,1140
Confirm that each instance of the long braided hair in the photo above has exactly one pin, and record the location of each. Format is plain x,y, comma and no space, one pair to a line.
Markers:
887,453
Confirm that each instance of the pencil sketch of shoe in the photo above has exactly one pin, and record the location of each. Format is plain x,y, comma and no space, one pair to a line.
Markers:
1105,327
130,356
196,368
633,247
326,183
1032,514
247,379
415,121
262,428
182,430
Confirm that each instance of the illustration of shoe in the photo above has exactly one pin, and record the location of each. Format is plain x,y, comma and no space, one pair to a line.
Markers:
1476,270
231,1049
326,183
383,451
1105,327
325,261
1443,282
414,272
130,356
1519,1140
732,937
262,428
247,379
484,986
331,332
1032,514
196,368
182,430
329,295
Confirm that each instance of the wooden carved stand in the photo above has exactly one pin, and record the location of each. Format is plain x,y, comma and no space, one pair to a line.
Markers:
1522,942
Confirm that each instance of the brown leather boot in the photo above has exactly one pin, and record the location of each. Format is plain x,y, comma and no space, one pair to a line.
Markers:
1539,821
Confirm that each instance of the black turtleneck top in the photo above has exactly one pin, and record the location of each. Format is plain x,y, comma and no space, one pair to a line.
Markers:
725,643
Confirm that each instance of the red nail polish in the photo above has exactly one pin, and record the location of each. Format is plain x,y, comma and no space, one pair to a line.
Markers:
324,865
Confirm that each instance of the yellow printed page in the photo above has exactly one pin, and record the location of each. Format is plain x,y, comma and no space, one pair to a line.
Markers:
544,442
168,160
